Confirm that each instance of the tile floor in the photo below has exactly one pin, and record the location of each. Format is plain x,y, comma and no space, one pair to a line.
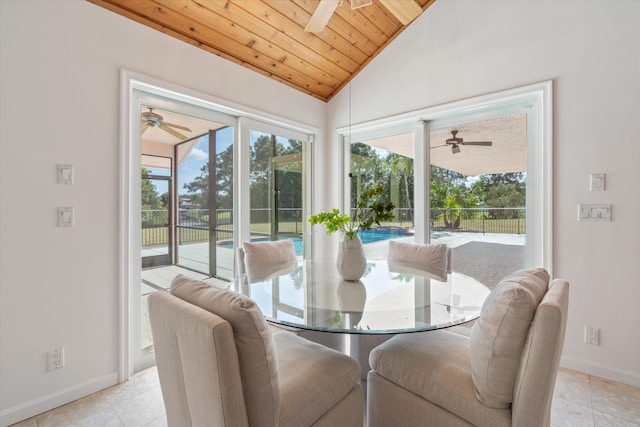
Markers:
580,400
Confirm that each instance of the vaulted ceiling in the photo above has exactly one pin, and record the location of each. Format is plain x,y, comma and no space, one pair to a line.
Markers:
269,37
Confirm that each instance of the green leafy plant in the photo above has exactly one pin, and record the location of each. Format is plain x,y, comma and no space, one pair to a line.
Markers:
370,209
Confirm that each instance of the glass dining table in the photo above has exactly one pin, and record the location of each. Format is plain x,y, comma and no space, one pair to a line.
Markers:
388,299
311,298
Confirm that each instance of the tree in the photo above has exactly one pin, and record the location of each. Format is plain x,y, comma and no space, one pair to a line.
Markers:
289,177
260,155
150,199
199,187
224,178
505,196
366,169
449,195
402,168
504,190
448,177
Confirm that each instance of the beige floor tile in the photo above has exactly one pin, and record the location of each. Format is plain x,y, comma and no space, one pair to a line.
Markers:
579,400
140,409
607,420
31,422
573,386
138,384
619,400
158,422
88,412
565,413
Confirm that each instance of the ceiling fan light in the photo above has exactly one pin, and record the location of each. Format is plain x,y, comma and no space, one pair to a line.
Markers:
455,148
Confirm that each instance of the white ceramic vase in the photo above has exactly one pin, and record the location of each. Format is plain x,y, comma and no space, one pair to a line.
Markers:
352,296
351,261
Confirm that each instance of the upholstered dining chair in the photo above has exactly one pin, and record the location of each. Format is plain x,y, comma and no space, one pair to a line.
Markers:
220,365
436,260
259,259
503,375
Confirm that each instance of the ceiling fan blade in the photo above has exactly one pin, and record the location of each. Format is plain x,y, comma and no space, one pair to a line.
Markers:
172,132
439,146
144,128
321,15
483,143
177,126
355,4
405,10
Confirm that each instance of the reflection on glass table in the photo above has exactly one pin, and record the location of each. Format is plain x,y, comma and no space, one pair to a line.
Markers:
311,295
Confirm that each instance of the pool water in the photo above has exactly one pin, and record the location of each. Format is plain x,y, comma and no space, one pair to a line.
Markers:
374,235
383,233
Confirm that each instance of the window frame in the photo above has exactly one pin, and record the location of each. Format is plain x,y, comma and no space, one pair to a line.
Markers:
536,100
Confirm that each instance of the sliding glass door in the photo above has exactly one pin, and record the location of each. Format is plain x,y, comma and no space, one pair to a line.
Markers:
204,187
186,203
205,203
277,187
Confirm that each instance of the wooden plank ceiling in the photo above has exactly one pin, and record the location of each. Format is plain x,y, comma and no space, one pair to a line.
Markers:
268,36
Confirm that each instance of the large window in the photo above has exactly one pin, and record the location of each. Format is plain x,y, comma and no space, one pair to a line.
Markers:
488,197
387,161
477,190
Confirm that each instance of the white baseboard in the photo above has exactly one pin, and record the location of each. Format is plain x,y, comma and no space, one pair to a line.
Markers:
42,404
603,371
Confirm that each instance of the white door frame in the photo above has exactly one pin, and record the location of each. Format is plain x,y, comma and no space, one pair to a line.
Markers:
129,190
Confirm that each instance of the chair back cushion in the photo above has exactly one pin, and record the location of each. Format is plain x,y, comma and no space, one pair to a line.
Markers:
254,343
197,364
499,335
263,259
432,259
541,357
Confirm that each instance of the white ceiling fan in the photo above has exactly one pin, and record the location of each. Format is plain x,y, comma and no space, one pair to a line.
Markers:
405,10
455,142
150,119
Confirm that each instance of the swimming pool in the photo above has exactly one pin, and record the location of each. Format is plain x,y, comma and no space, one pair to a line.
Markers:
374,235
383,233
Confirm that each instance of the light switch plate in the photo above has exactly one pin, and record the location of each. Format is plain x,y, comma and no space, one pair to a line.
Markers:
65,217
597,182
65,174
589,212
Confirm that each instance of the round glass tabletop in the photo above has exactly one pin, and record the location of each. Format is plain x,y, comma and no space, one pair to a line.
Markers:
387,299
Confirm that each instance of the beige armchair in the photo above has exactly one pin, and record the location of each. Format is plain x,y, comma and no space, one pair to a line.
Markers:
503,375
260,260
220,365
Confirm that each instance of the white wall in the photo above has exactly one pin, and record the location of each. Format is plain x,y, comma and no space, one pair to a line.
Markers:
60,63
591,50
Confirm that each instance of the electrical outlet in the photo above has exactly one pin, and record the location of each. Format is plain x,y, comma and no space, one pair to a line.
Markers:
56,359
590,335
